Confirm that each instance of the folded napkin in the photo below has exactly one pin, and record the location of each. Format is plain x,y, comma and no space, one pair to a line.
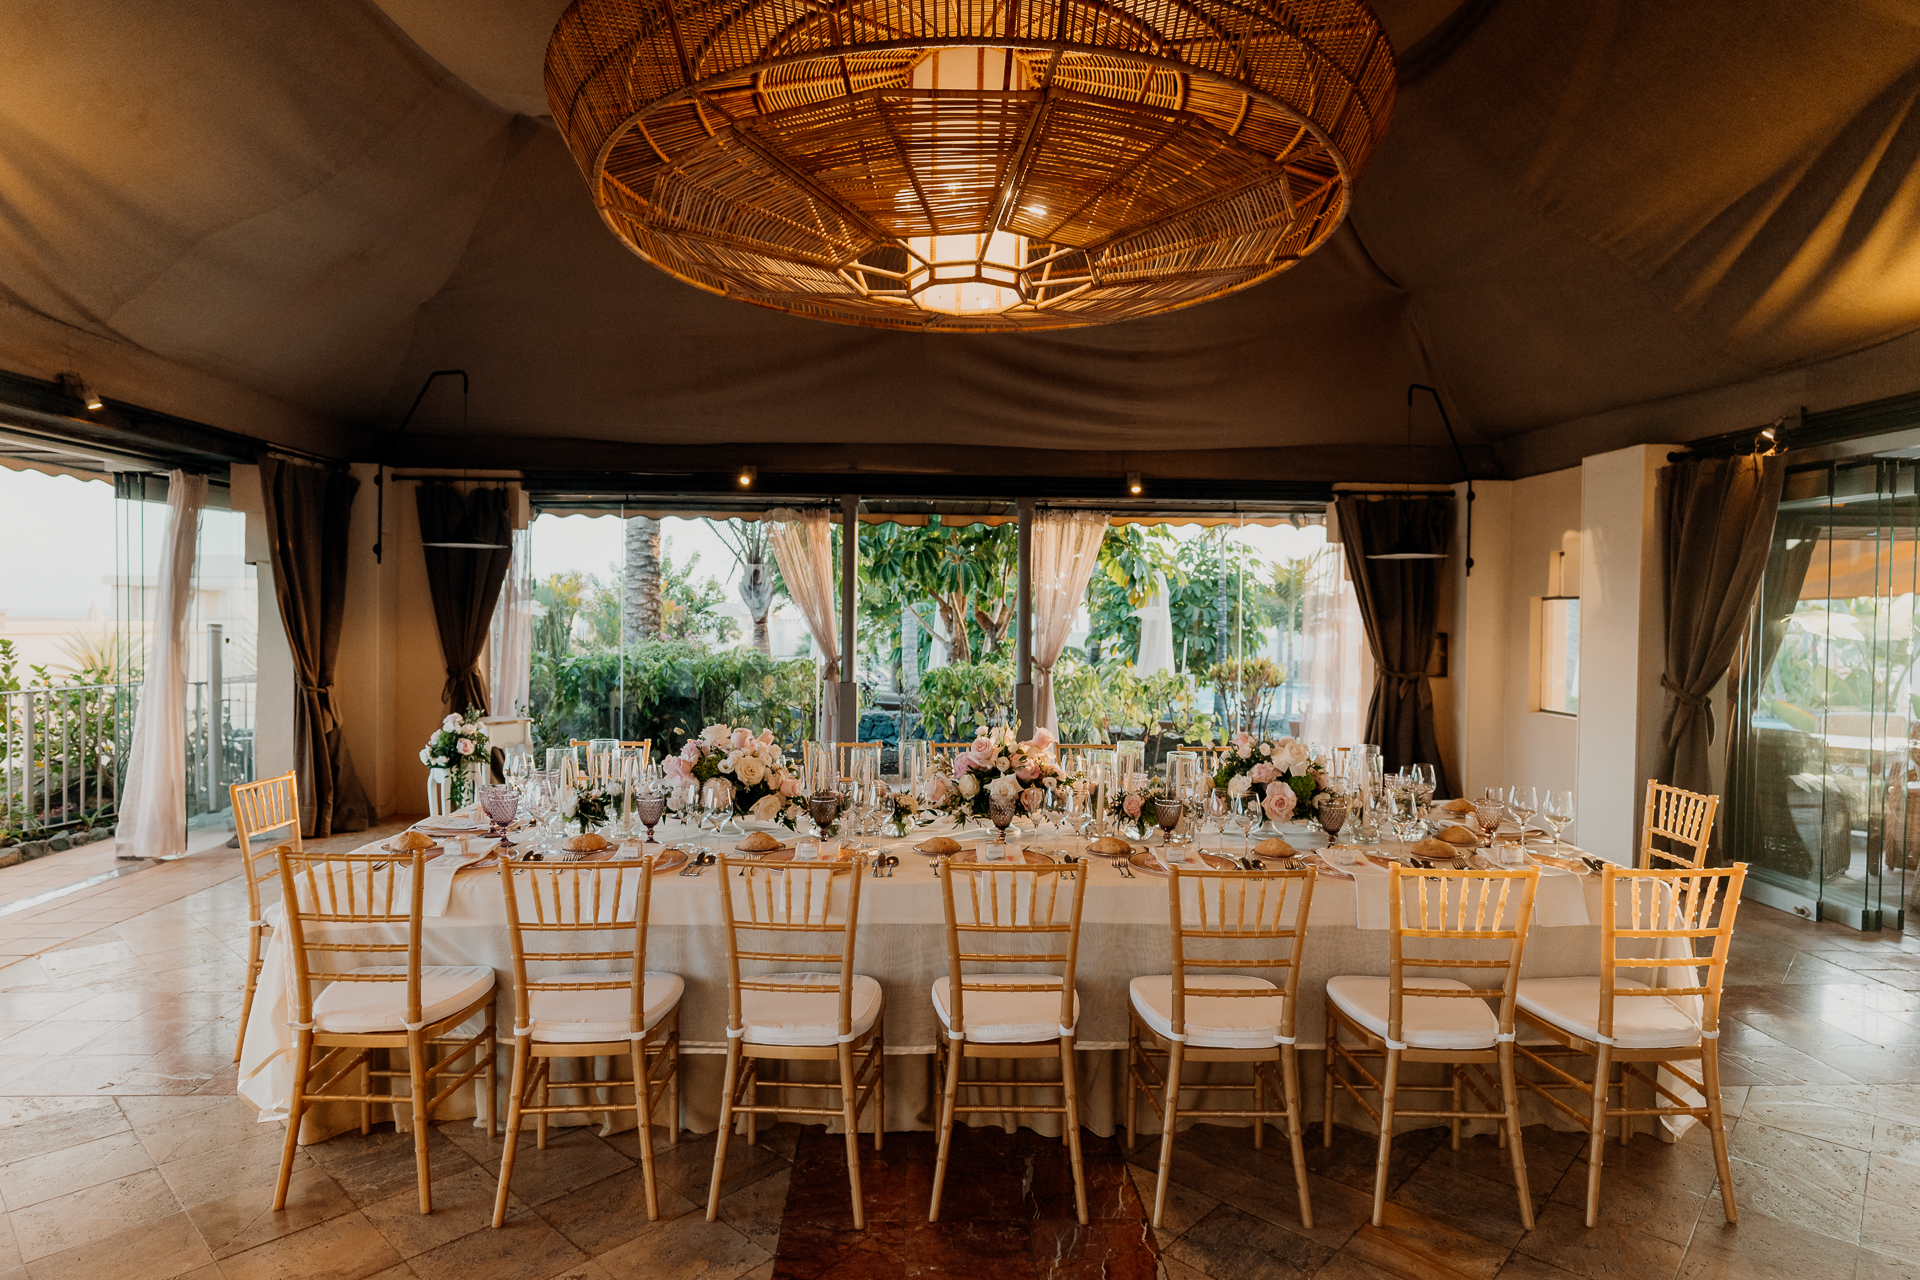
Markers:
463,820
1371,884
437,882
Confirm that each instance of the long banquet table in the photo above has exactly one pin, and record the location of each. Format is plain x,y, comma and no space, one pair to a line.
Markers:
900,942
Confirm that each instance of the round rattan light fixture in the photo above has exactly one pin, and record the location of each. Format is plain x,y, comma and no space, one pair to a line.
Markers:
968,166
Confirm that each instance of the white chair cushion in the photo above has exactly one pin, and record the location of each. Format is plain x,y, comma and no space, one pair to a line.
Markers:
1427,1022
802,1018
582,1017
1214,1022
1640,1022
366,1008
1007,1017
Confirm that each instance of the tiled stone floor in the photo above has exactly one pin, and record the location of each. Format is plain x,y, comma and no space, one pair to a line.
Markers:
125,1156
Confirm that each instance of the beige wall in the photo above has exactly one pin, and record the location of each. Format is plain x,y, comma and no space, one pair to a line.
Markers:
1542,748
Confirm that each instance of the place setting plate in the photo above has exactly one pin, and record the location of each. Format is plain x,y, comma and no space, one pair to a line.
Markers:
1144,860
1015,857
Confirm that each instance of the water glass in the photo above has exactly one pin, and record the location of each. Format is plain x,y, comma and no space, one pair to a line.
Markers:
1558,812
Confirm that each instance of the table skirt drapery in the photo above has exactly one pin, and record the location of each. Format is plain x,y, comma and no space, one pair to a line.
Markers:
901,943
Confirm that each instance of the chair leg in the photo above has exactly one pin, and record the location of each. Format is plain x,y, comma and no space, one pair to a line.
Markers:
1326,1114
877,1047
1510,1098
493,1078
642,1091
246,996
1717,1126
1070,1082
417,1070
1290,1080
540,1119
365,1091
522,1051
1133,1086
302,1060
673,1103
1458,1102
725,1130
1597,1131
850,1116
1390,1085
949,1093
1259,1104
1170,1120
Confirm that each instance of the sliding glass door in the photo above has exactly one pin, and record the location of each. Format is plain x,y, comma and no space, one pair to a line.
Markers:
1824,785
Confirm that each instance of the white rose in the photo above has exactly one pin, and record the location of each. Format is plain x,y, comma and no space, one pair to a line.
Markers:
750,770
715,734
569,802
451,723
726,764
1238,786
1004,788
1297,755
765,809
426,757
465,747
795,811
969,785
1266,749
441,761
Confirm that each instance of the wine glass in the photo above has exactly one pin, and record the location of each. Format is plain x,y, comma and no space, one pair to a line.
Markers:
1219,808
1246,816
1332,814
1167,812
821,807
719,796
1525,802
1425,779
1558,812
500,804
1487,814
649,809
1000,811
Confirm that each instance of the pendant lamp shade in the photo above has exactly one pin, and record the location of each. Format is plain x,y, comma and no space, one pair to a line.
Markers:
921,164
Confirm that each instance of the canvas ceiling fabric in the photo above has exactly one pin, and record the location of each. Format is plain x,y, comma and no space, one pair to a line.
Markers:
1576,208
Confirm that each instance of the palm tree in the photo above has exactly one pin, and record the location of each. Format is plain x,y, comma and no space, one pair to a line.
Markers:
759,576
640,583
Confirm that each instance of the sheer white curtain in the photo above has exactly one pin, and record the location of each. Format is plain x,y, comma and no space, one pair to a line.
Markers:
802,544
153,803
1066,547
1339,666
510,638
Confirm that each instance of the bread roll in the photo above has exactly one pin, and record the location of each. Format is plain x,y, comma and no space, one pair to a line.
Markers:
1274,847
586,842
939,845
1110,845
1435,849
1459,835
408,841
1456,805
758,842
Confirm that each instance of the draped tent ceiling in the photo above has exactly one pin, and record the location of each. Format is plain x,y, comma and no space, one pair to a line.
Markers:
278,217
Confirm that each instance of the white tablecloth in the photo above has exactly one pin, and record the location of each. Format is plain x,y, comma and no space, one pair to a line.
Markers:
901,943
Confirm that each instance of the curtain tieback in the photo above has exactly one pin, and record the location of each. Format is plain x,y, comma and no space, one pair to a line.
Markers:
1407,676
322,694
1697,701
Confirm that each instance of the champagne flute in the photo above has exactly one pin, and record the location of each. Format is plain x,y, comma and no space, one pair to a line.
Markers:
1558,812
1525,802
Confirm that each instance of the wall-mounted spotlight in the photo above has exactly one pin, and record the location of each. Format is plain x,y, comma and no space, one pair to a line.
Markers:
747,476
1133,483
73,386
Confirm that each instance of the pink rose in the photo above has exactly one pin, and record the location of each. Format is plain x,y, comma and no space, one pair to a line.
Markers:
1262,773
788,787
1043,740
982,748
765,738
678,771
937,789
1028,774
740,739
691,752
1279,803
1132,806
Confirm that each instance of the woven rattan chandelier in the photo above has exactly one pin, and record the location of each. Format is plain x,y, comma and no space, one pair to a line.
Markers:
969,166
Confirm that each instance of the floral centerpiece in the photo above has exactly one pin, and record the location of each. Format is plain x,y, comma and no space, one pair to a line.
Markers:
1133,806
457,743
903,811
995,764
590,804
1281,774
763,788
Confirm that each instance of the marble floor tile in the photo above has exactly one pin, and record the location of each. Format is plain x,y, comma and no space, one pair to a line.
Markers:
342,1248
160,1249
56,1173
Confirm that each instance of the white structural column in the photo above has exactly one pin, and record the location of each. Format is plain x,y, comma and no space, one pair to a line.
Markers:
848,727
1622,645
1477,652
1023,618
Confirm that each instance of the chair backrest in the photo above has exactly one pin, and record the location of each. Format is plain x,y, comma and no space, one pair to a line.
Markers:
1454,908
1666,913
790,900
1257,918
1682,818
270,804
1001,911
321,891
579,915
508,731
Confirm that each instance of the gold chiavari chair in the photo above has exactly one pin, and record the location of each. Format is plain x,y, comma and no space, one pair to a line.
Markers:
823,1014
1681,818
1258,921
642,745
603,1004
1441,1020
349,1013
944,752
271,804
1633,1023
1008,1015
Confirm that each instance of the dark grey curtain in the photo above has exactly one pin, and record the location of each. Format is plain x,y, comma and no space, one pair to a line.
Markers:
1780,588
1400,607
465,581
1719,515
307,509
